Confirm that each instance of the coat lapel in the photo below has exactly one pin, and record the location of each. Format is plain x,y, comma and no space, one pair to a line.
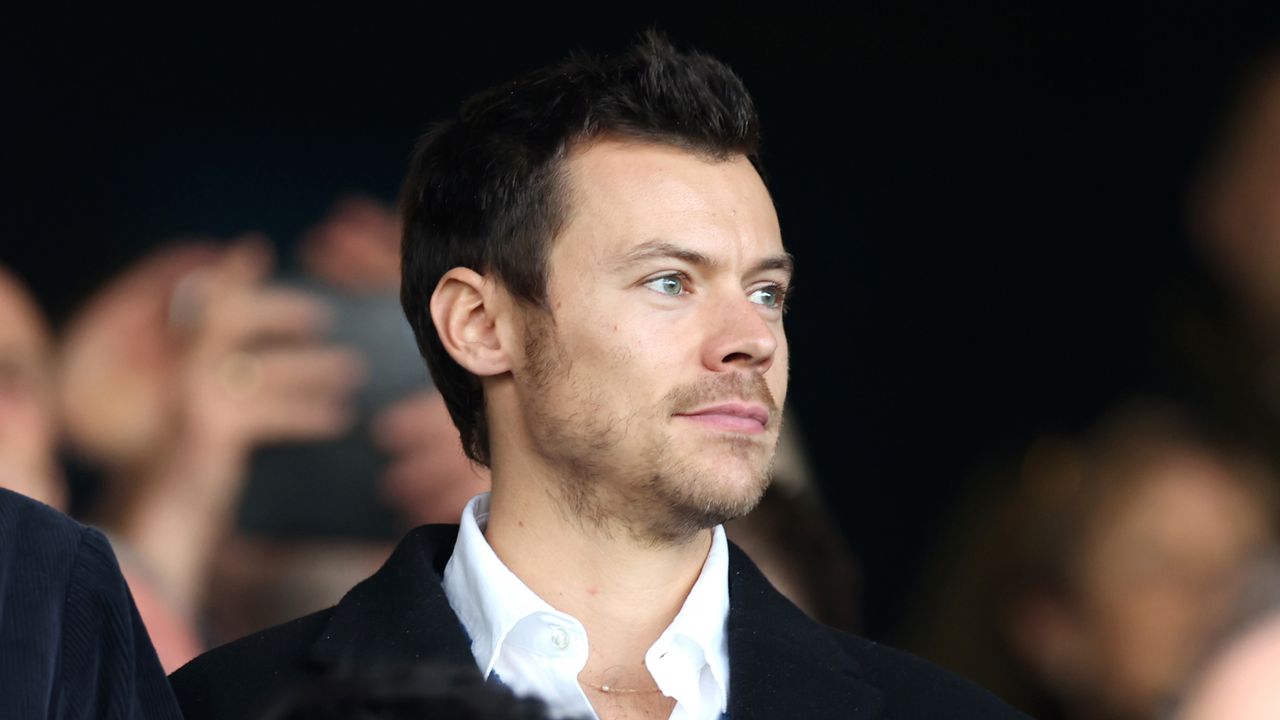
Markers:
400,614
782,663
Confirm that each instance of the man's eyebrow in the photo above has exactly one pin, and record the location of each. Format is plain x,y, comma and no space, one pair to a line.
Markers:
666,249
655,249
782,261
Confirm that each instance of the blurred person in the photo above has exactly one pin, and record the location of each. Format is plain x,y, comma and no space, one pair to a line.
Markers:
410,458
1090,591
430,478
1241,678
437,692
28,424
355,247
71,642
594,271
171,376
1244,683
400,463
1238,216
1220,328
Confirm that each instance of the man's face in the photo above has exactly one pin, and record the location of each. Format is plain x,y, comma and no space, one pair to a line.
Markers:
26,407
654,384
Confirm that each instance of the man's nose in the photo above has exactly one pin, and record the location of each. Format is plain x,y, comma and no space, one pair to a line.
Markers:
740,337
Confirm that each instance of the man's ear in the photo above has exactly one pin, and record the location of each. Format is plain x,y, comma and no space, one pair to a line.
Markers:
467,309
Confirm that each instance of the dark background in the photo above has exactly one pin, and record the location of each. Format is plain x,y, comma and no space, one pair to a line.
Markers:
982,199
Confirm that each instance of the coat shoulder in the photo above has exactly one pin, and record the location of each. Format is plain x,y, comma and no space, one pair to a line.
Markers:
238,679
36,540
916,688
71,641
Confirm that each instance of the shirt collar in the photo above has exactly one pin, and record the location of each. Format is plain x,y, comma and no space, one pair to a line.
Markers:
488,598
490,601
699,629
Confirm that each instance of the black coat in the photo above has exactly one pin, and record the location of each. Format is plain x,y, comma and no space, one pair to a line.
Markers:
71,642
782,664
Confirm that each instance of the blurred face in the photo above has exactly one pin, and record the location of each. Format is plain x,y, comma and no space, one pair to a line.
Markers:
1158,574
26,409
653,386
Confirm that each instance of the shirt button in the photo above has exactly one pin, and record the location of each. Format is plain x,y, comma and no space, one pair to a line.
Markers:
560,638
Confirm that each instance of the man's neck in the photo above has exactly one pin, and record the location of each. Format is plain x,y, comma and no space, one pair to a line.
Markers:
625,592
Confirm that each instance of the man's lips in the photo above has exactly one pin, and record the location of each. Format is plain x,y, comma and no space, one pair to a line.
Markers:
748,418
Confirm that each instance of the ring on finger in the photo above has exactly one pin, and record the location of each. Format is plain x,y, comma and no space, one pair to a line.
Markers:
241,374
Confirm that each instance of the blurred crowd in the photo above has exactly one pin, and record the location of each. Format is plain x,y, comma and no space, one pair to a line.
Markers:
253,442
1116,565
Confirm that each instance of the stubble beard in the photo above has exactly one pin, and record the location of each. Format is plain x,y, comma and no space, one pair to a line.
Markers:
655,497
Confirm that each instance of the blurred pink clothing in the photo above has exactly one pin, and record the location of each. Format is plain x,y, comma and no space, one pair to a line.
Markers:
173,633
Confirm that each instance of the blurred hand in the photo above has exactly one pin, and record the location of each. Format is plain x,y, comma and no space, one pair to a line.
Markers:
356,248
119,358
430,478
174,373
253,369
192,346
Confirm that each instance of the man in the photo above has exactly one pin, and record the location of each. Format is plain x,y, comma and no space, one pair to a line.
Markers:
595,274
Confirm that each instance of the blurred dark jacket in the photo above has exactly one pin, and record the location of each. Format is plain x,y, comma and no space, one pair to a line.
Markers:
782,664
71,642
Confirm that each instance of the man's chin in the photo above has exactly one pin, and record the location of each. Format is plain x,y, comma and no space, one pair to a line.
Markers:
729,492
708,512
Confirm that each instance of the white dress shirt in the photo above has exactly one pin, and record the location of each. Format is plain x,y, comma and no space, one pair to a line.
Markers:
537,650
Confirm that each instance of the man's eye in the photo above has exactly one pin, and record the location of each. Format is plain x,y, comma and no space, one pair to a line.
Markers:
671,285
770,296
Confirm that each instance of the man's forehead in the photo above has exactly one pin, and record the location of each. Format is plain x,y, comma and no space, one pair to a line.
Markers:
608,168
625,194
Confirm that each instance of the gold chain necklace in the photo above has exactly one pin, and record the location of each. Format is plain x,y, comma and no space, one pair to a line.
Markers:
611,690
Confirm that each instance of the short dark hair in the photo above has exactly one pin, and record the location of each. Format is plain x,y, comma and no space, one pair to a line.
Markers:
485,189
